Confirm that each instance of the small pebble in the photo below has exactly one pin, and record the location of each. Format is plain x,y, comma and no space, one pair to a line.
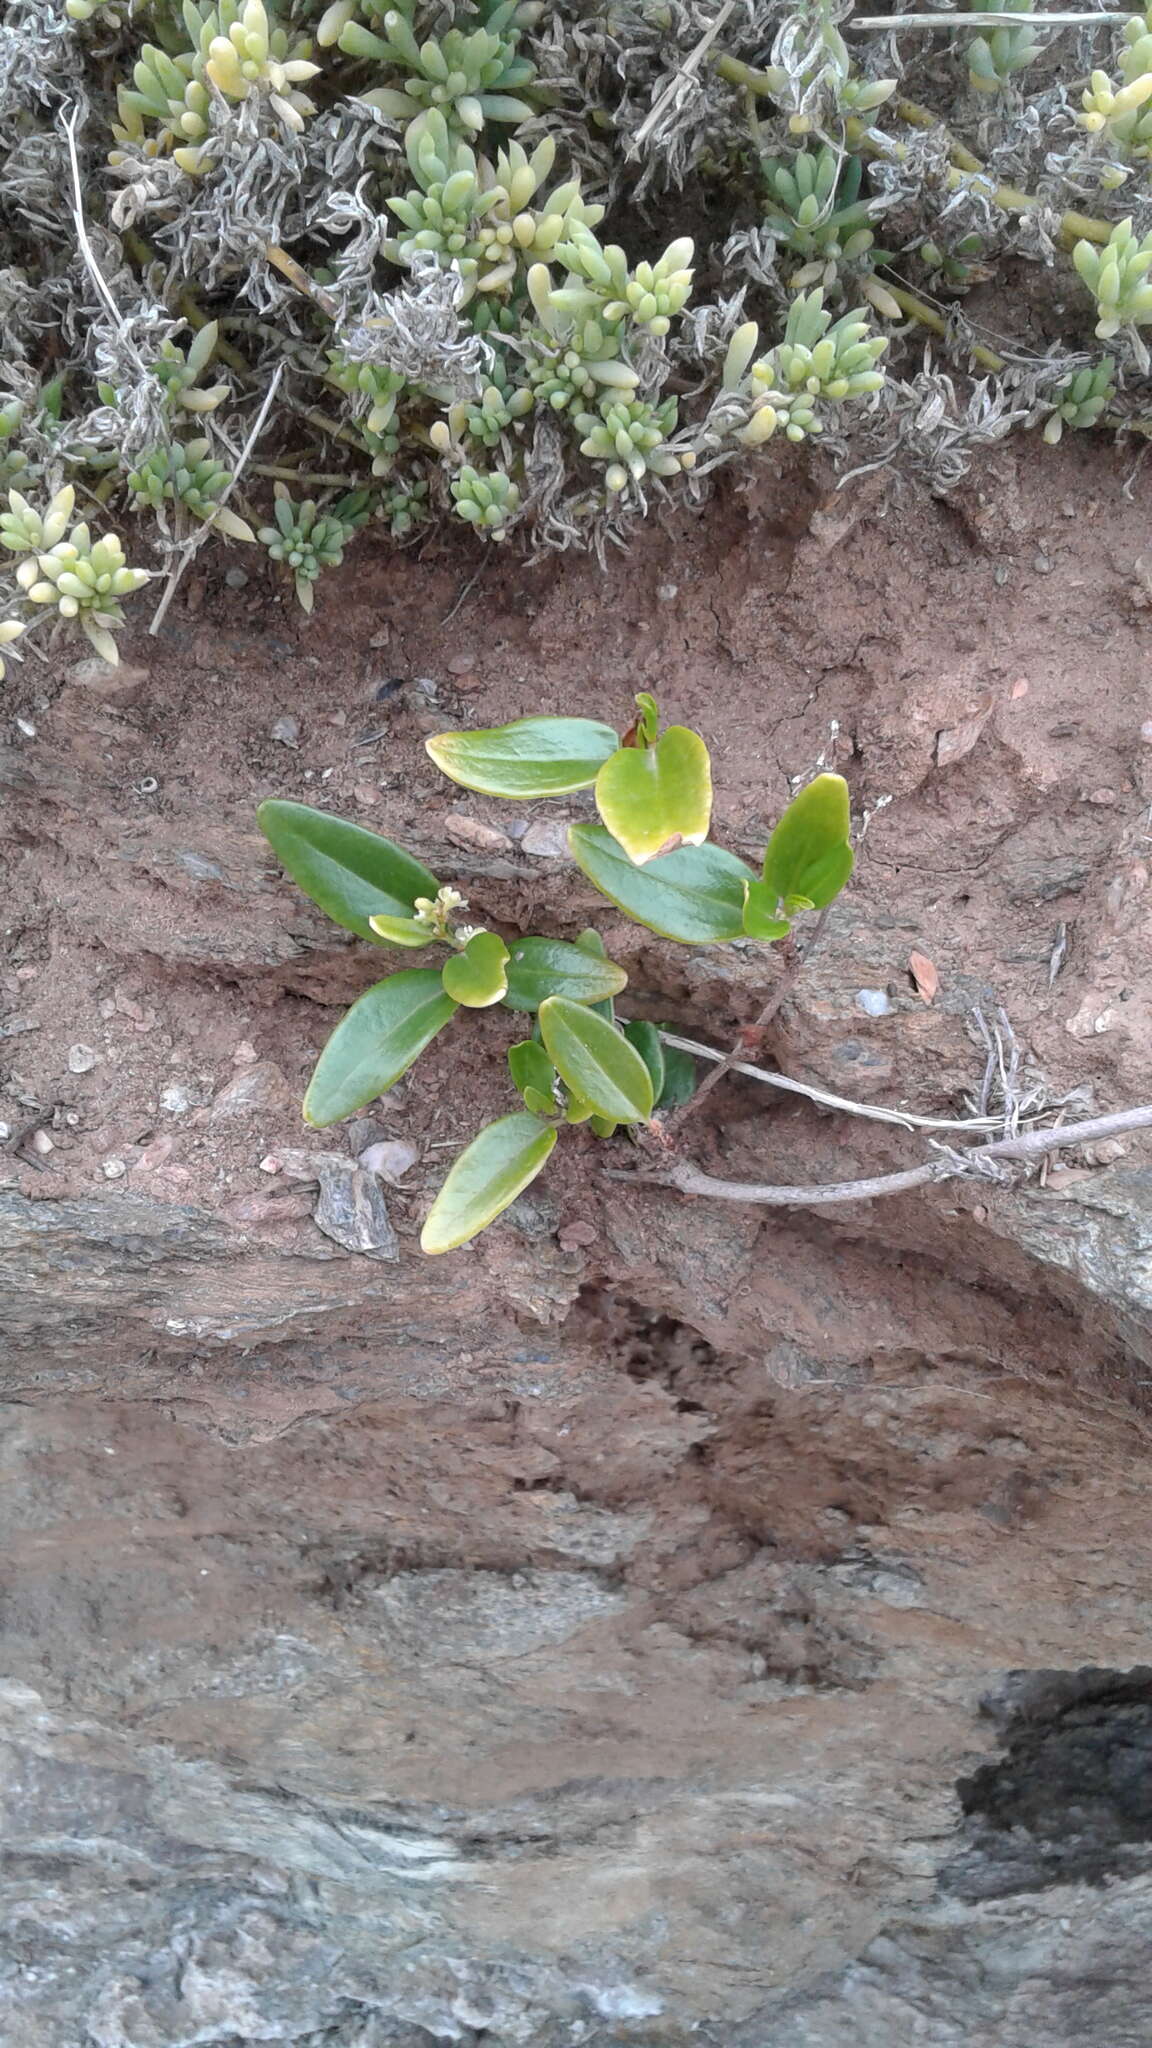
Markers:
42,1143
873,1001
113,1169
667,592
1105,1152
244,1054
257,1088
81,1059
388,1159
1042,564
5,1132
270,1163
338,718
26,726
236,579
286,730
547,839
1146,732
471,832
461,664
1101,797
175,1099
575,1234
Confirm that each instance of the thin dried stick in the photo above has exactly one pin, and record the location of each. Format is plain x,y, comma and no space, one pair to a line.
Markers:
684,72
198,538
905,1118
689,1179
86,250
993,19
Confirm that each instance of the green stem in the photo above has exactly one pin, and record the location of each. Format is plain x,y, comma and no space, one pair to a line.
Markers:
312,480
325,425
1074,227
916,309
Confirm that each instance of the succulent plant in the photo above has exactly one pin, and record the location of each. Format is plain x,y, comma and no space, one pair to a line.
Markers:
814,206
466,76
600,281
1117,277
235,49
308,540
818,361
81,578
630,435
489,503
995,58
187,474
1080,399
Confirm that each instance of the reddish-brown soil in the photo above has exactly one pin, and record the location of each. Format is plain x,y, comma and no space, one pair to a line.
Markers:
979,669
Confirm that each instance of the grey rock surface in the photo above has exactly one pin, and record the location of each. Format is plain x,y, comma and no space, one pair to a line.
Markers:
495,1651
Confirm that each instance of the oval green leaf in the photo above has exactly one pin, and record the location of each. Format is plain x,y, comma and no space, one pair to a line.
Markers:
489,1174
650,1046
533,1073
760,919
352,874
653,799
476,976
595,1061
679,1078
695,895
603,1126
531,757
376,1042
400,931
589,941
808,854
550,967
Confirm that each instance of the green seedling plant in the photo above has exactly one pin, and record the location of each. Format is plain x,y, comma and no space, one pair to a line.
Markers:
650,856
308,540
1117,277
995,58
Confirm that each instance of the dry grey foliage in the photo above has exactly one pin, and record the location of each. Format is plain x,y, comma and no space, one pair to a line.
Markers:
425,370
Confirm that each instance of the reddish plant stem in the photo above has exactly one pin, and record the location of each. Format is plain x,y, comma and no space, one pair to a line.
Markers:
794,965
